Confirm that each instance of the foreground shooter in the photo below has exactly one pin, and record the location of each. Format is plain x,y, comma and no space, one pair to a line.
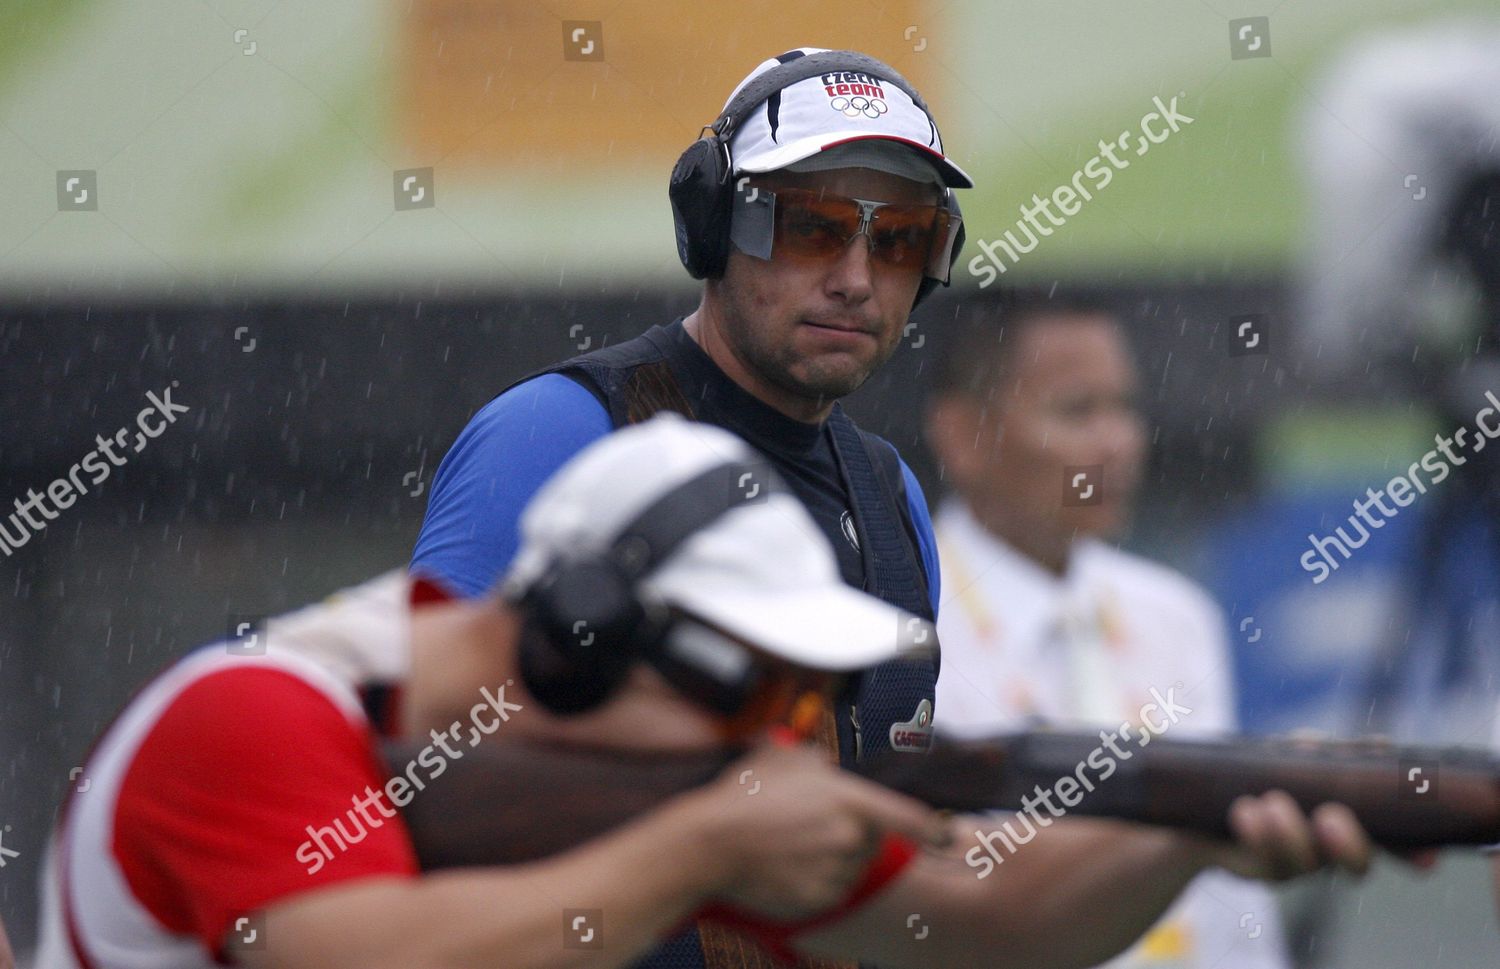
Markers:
223,822
239,811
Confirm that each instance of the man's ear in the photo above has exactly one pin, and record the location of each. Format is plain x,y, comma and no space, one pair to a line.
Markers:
952,424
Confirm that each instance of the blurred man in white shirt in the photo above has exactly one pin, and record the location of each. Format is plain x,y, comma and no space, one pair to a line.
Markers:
1034,421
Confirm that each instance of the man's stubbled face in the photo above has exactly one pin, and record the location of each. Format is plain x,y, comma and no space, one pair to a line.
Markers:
817,330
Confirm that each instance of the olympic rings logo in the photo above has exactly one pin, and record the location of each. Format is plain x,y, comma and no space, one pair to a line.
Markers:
859,104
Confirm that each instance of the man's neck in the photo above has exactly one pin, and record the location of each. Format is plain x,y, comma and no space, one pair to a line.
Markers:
707,330
456,647
1050,550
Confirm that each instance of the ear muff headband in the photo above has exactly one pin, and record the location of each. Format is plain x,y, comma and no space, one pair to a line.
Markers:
585,622
701,192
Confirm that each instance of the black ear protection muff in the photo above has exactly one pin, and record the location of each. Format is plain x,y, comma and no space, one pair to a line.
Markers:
586,623
702,191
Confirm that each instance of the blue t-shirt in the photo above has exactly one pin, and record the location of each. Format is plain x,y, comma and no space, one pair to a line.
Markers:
519,439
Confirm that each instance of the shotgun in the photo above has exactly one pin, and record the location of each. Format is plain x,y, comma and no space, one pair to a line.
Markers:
508,803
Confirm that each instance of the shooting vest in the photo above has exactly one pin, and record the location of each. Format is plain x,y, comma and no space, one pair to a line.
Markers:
634,380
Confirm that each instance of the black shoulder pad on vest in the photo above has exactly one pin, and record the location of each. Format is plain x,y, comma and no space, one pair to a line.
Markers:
606,371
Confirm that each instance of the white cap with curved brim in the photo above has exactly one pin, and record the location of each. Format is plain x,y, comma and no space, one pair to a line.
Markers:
763,571
820,113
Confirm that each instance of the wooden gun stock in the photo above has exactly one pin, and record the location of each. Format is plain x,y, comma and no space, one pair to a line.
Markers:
512,803
505,804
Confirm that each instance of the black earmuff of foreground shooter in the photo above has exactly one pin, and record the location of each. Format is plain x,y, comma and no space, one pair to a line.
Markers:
702,189
586,622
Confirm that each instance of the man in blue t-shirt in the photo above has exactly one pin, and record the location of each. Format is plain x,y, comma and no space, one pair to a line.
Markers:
835,215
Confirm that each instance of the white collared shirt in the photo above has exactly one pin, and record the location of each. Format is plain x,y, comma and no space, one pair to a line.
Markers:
1021,644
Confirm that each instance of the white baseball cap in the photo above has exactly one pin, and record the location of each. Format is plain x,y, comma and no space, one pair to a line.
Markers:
762,571
830,110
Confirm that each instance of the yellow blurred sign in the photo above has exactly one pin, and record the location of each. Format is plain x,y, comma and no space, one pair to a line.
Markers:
512,85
